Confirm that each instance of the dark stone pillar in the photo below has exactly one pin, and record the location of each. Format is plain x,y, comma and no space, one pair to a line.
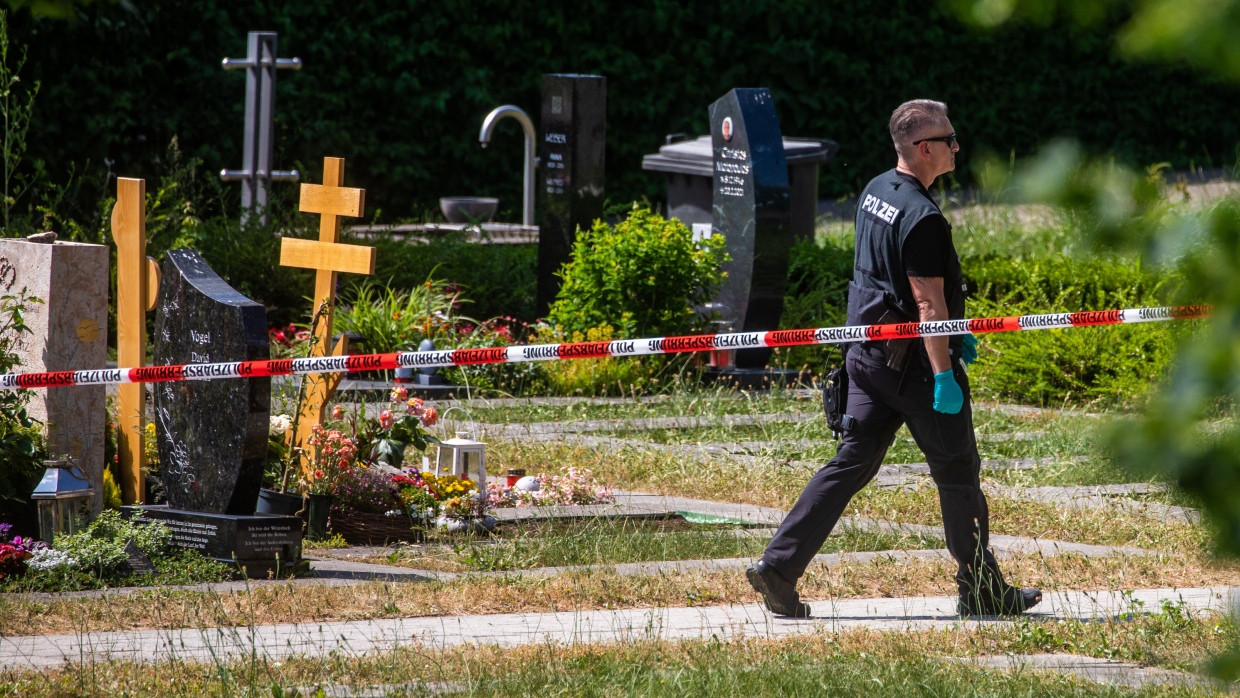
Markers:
571,160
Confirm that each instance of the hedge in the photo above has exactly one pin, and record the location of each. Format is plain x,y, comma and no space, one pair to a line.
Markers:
400,89
1112,365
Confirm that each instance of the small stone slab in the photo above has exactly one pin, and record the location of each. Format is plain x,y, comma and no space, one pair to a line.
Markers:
262,545
136,561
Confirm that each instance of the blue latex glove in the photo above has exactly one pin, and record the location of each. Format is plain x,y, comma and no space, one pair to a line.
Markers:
968,350
948,397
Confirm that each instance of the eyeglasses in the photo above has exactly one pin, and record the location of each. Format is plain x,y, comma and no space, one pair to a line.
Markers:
949,139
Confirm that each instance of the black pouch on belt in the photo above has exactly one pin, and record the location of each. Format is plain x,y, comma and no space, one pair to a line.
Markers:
835,398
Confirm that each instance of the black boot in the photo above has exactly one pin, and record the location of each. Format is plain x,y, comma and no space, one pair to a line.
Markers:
779,594
986,594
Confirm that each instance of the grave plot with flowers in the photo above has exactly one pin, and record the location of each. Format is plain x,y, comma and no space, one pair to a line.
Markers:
385,488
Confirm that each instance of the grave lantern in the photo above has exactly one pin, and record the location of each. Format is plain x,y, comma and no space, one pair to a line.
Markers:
464,457
63,496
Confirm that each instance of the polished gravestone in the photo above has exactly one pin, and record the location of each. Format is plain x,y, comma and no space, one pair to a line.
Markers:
212,434
751,210
571,161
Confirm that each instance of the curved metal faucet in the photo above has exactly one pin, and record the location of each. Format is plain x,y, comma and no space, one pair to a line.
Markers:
484,136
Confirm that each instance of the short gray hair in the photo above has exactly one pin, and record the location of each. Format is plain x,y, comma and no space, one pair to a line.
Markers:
912,118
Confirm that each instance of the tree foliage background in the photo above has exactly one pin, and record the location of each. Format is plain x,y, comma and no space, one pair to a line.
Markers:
400,89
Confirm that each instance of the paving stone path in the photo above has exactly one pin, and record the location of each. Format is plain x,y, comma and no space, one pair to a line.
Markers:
275,642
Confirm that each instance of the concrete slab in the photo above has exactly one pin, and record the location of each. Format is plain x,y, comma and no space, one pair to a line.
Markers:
275,642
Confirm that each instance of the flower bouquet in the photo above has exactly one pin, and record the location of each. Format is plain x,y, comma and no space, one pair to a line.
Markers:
400,426
332,456
15,553
451,502
572,488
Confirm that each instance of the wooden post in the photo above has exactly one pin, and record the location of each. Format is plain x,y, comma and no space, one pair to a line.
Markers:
328,257
137,288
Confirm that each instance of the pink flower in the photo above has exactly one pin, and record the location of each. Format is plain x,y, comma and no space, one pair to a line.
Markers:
400,394
429,417
386,419
337,412
415,406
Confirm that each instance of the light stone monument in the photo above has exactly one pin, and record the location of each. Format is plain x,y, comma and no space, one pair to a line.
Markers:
68,332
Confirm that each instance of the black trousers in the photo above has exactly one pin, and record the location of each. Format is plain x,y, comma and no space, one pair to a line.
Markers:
880,403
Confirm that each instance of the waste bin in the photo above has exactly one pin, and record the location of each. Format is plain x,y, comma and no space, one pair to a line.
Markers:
689,168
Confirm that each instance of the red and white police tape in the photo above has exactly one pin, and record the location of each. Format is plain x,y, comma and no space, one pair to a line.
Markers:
581,350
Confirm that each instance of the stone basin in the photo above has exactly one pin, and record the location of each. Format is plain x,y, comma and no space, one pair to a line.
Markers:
468,209
486,233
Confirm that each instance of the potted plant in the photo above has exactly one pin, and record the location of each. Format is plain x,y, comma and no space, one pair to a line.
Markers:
368,510
283,461
282,464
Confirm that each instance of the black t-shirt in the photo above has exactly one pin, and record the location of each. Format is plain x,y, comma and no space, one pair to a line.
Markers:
926,248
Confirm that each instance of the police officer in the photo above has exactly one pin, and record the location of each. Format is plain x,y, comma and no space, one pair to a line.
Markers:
906,270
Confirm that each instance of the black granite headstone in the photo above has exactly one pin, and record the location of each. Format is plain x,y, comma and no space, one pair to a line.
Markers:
751,210
571,157
212,433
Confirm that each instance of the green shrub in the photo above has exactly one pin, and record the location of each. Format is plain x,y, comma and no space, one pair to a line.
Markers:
517,378
95,558
1113,365
1109,365
118,84
100,549
642,277
21,448
818,275
608,375
398,320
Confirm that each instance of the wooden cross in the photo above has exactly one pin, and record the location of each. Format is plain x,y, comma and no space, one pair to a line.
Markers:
328,257
137,289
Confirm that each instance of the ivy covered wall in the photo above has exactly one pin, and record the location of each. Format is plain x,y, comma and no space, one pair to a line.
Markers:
400,89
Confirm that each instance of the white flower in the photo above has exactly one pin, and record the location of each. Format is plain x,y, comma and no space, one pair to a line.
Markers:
48,559
278,424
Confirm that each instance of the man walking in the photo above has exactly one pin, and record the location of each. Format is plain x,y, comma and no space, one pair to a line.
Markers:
906,270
